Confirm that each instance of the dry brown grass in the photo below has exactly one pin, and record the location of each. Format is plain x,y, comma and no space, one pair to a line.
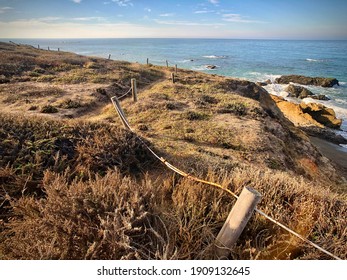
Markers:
105,218
116,218
81,190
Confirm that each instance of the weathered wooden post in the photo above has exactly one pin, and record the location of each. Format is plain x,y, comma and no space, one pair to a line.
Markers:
167,64
236,221
38,46
173,78
109,57
58,49
134,89
147,61
48,48
120,112
176,68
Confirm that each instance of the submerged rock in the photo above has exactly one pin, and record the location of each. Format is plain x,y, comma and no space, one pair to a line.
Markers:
321,114
320,97
261,84
298,91
211,66
303,80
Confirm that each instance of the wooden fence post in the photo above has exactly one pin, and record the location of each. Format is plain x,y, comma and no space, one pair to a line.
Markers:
38,46
134,89
167,63
58,49
236,221
109,57
176,68
173,77
147,61
48,49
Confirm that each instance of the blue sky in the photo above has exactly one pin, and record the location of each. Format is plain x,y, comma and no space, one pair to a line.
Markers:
247,19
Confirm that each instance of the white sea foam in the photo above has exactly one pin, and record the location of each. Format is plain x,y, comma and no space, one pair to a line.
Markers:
314,60
204,68
215,56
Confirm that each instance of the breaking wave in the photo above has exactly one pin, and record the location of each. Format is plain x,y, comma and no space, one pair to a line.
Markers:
215,56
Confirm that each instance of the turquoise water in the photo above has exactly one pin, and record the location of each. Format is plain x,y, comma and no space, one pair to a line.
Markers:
254,60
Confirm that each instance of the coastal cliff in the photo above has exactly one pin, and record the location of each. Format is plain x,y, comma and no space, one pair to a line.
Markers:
61,142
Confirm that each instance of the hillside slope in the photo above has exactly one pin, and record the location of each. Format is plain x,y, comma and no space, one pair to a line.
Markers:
76,185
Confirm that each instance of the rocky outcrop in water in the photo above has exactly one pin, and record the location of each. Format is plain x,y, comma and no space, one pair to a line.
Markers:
303,80
308,115
294,113
321,114
298,91
320,97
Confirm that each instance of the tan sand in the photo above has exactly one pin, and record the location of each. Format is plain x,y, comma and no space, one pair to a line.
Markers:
332,151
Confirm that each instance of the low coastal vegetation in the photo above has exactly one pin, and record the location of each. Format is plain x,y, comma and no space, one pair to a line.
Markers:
75,185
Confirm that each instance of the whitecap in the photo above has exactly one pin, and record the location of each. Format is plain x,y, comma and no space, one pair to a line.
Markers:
314,60
344,146
204,68
215,56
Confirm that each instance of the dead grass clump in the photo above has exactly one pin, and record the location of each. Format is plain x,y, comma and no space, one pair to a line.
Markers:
195,116
206,99
48,109
236,108
70,104
105,218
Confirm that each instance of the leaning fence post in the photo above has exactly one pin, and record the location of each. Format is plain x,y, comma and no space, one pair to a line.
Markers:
109,57
134,89
236,221
173,78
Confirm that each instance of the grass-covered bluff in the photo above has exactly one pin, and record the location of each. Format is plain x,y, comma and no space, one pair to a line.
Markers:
75,185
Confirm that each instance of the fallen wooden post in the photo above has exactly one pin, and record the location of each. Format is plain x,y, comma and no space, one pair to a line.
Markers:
236,221
134,89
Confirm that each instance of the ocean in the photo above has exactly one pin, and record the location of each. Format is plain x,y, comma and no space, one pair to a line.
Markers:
254,60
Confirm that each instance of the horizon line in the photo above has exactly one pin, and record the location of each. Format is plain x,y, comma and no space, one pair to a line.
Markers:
171,38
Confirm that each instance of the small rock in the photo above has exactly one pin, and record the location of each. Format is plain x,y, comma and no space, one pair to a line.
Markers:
261,84
211,66
320,97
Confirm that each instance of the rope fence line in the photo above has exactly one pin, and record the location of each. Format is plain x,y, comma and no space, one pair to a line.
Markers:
125,122
125,94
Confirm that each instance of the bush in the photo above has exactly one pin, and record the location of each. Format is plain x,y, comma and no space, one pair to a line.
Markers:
195,116
236,108
49,109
